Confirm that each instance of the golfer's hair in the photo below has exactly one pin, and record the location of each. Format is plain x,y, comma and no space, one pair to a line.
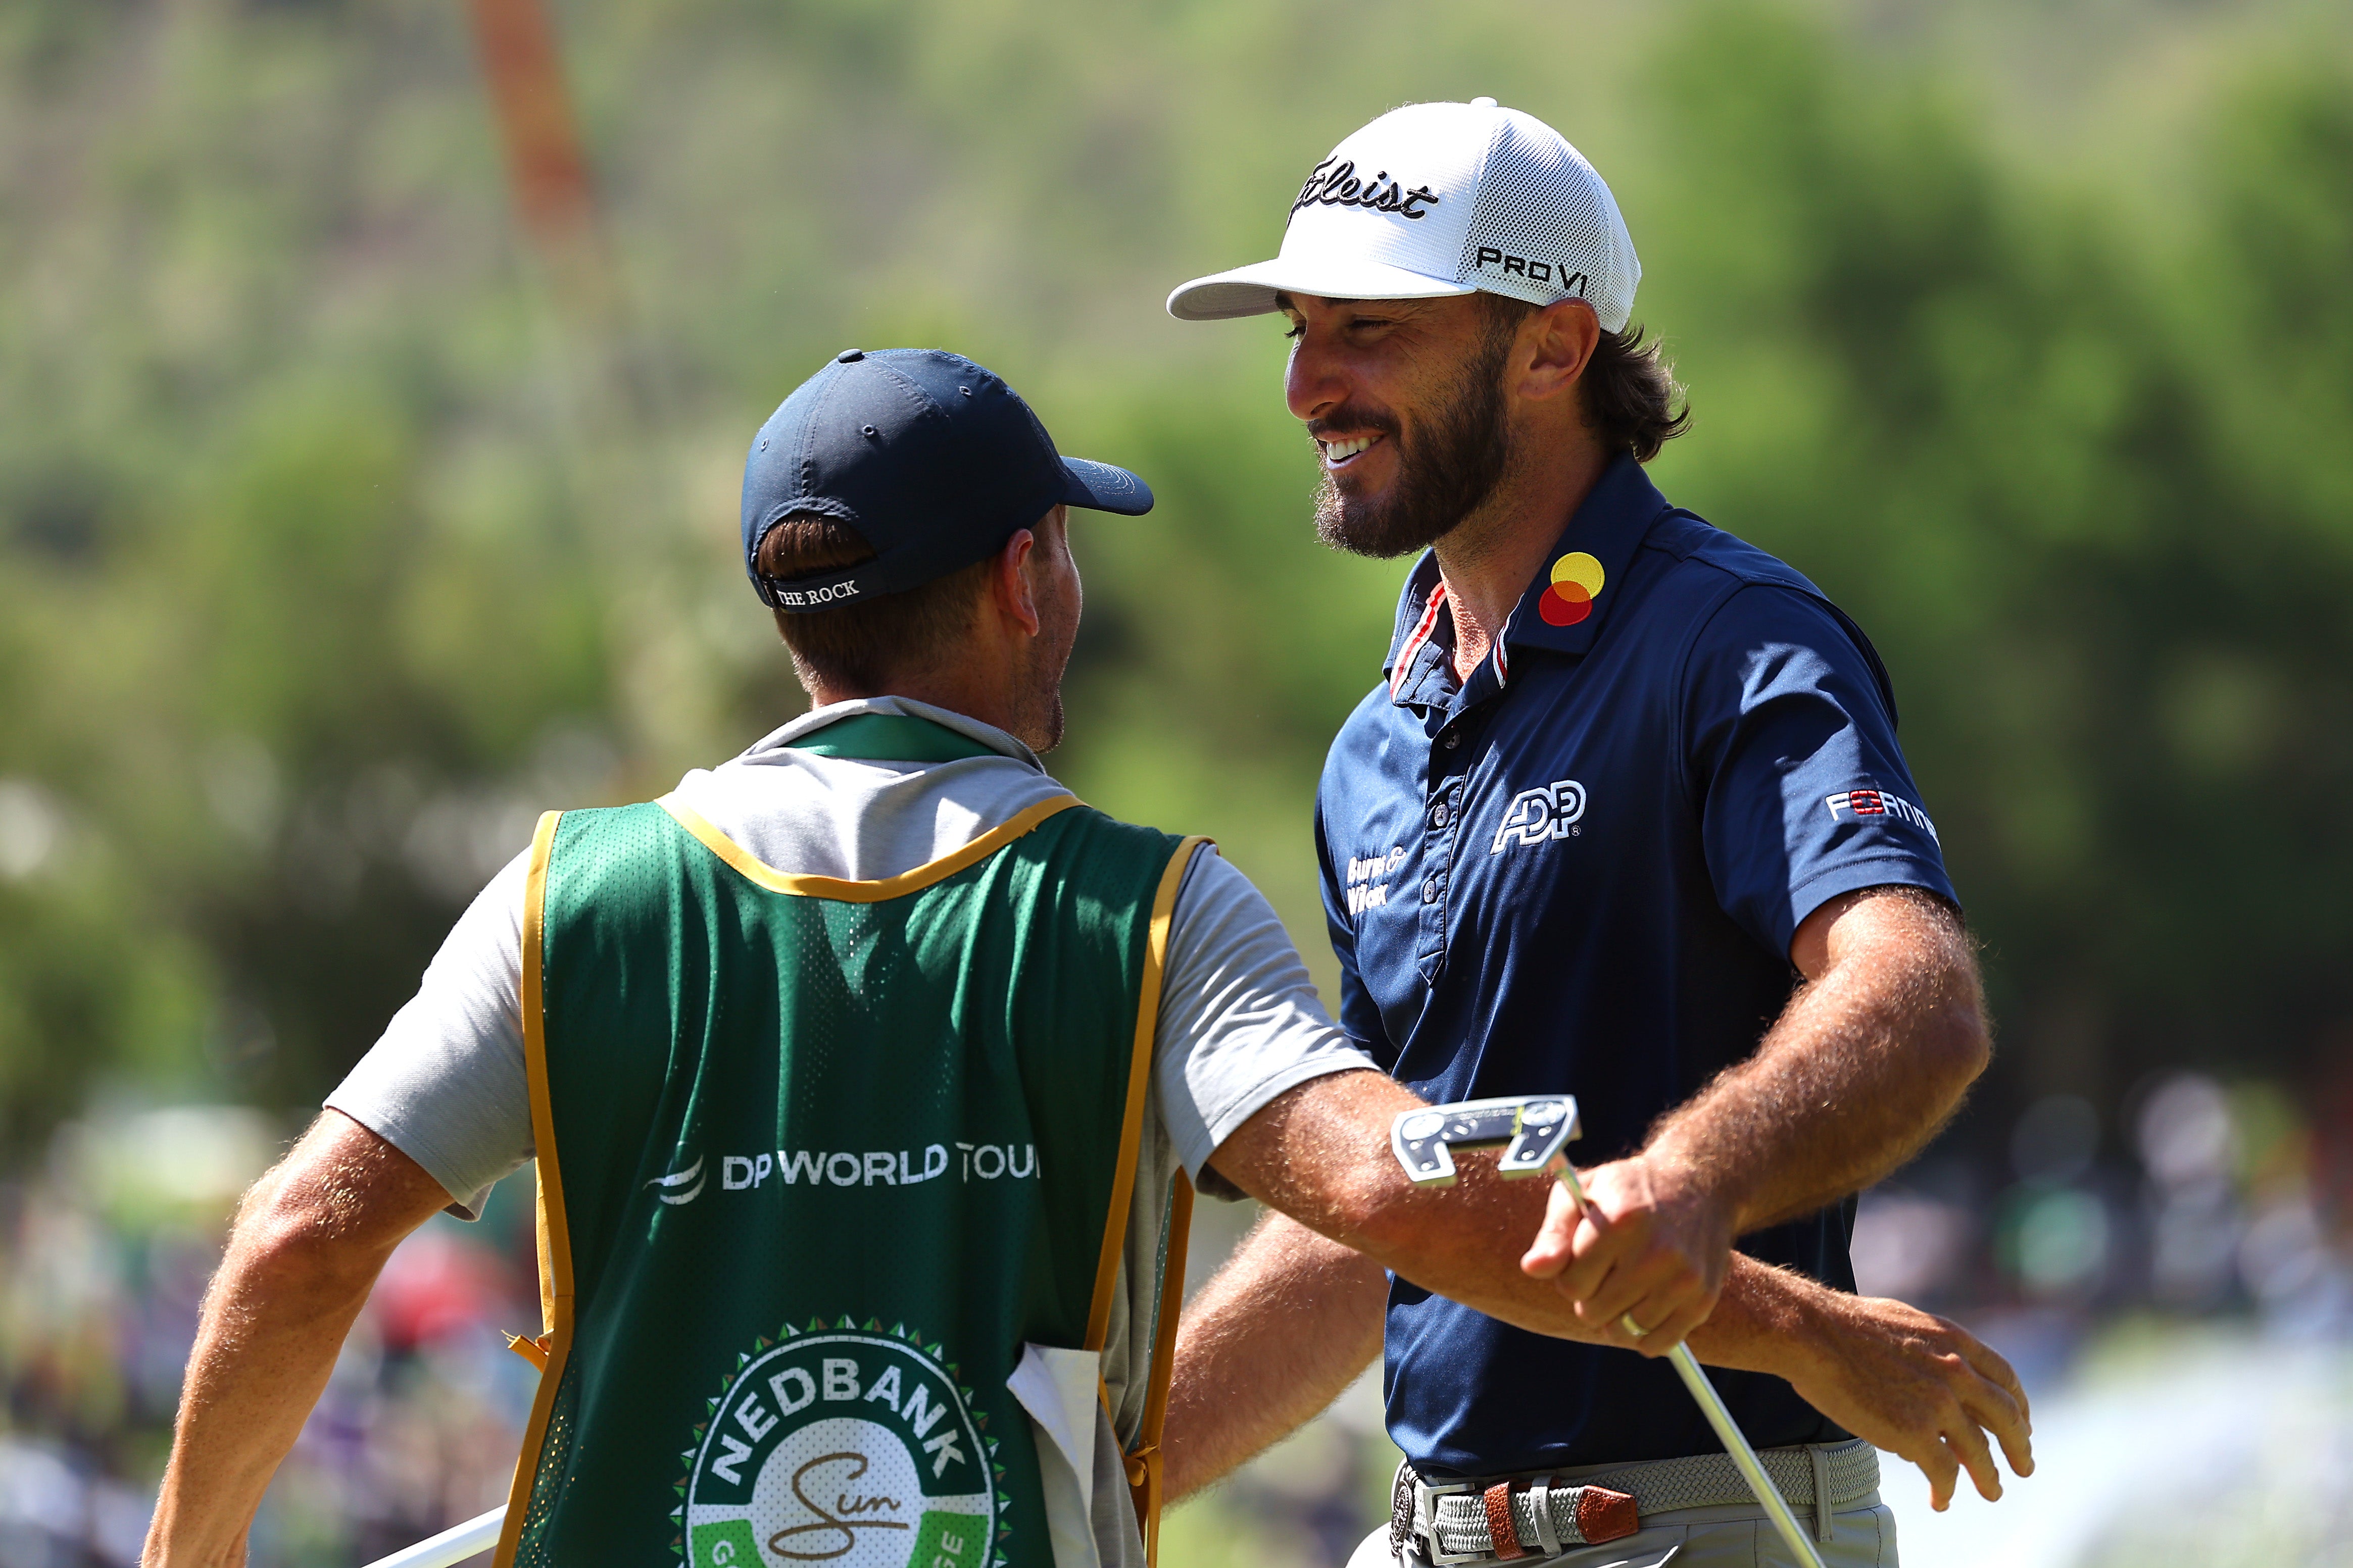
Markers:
859,650
1628,392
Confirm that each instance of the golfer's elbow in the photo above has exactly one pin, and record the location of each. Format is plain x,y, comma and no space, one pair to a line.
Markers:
1952,1044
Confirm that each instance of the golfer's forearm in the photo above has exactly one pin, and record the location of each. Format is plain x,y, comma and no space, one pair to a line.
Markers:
1761,1323
1287,1324
1861,1069
1842,1093
1759,1306
273,1323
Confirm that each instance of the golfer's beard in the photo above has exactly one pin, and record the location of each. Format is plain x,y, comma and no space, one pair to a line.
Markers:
1443,476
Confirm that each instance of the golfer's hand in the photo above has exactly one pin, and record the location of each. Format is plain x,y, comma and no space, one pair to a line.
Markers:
1918,1386
1650,1248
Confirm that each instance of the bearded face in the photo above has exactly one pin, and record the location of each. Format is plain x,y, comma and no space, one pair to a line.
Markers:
1450,453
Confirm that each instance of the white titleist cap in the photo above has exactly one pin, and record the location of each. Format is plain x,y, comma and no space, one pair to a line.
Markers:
1436,199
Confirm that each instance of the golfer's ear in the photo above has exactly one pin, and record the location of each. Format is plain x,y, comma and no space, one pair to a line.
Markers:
1559,341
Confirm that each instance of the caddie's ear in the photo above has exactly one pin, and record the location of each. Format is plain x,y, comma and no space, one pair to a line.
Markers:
1008,582
1555,343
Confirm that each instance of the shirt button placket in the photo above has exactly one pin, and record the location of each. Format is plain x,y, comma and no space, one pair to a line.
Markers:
1441,823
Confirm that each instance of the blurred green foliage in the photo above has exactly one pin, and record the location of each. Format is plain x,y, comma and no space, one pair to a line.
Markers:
331,549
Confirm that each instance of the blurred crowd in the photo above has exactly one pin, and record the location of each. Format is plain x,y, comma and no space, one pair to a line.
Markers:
104,1256
2204,1199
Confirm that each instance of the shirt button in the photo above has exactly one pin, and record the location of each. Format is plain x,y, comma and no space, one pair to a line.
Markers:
1454,738
1438,814
1429,890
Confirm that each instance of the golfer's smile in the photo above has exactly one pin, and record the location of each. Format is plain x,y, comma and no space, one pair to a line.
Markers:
1342,454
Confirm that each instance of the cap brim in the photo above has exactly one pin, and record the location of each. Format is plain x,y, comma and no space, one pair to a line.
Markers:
1101,488
1251,291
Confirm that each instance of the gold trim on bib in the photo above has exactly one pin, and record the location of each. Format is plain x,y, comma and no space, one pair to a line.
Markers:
763,874
554,1239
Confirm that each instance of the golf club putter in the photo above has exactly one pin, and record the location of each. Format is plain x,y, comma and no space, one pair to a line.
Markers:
1532,1130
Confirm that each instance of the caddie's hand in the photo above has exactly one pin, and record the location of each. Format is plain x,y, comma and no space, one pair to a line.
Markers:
1650,1247
1919,1386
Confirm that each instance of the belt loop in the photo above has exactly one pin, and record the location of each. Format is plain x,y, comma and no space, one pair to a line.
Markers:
1500,1535
1820,1456
1540,1501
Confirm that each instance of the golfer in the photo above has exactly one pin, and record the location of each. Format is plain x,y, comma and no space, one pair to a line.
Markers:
866,1075
1624,816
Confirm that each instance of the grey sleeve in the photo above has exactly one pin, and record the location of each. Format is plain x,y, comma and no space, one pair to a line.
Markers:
446,1084
1239,1020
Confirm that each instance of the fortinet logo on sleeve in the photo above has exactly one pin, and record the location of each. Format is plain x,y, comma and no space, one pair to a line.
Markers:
1863,803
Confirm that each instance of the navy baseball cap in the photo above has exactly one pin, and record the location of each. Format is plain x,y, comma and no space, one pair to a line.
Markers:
933,460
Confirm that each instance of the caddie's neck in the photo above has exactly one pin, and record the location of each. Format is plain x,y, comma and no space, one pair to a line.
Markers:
1006,667
987,691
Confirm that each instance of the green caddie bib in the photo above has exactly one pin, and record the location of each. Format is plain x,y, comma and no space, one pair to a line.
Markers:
817,1159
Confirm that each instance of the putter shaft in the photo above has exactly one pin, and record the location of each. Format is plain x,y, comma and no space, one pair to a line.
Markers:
1711,1405
454,1544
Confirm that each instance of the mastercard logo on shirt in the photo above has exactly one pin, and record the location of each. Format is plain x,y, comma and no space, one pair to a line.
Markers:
1577,580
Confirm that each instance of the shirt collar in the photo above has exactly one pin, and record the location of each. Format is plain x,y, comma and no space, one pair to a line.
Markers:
1563,608
1584,573
817,718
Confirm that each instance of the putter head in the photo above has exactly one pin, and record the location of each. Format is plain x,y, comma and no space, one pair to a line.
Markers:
1531,1128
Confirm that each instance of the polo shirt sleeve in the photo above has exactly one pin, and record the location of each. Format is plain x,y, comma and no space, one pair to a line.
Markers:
1791,754
446,1084
1239,1023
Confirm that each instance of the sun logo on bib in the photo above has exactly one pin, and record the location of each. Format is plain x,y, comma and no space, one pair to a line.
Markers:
853,1449
1575,582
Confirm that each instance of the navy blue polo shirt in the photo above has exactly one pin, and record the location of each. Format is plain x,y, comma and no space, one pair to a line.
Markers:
1580,870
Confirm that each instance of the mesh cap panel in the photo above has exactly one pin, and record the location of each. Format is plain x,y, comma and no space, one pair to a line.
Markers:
1543,227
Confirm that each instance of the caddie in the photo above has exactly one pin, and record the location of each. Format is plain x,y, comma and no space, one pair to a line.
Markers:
866,1075
1625,817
